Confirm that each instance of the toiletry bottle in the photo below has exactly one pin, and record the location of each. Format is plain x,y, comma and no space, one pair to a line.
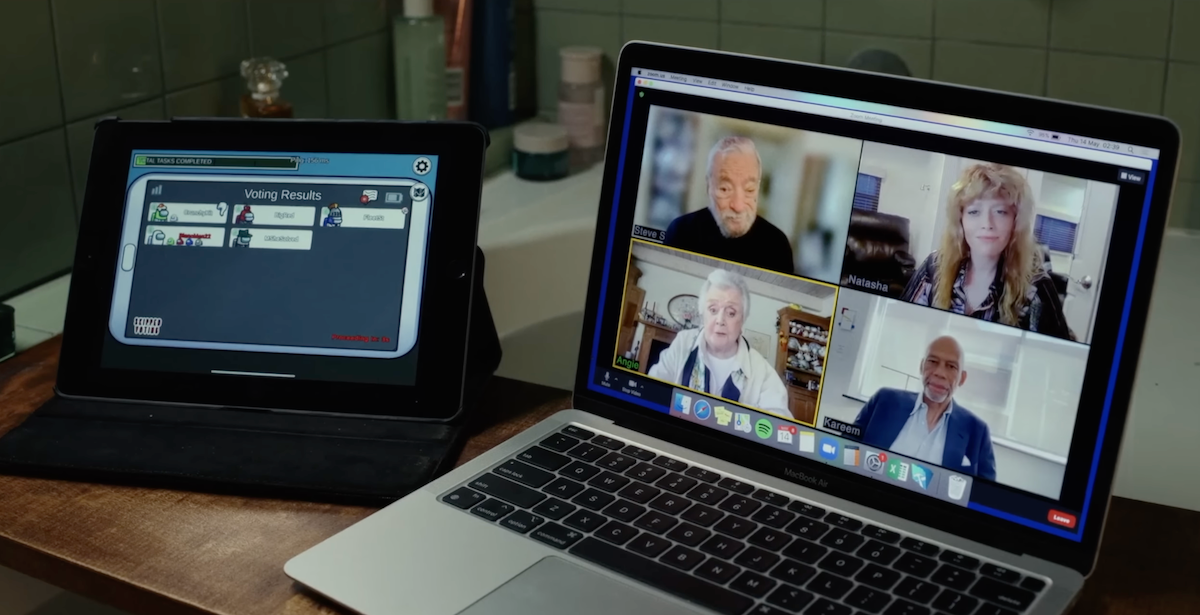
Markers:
419,43
581,104
264,76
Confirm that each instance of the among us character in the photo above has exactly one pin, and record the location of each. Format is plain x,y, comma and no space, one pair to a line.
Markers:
156,237
242,240
245,217
160,213
189,241
334,217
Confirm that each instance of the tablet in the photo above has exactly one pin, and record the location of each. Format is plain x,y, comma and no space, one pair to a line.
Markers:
293,265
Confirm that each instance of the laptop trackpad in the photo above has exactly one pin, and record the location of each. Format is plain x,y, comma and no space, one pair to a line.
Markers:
554,585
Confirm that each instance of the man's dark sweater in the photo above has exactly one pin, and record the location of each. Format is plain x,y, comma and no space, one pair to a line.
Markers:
763,246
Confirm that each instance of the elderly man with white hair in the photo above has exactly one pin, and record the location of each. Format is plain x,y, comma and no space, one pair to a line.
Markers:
731,228
715,359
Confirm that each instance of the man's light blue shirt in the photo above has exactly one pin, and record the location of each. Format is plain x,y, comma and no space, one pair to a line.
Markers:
916,439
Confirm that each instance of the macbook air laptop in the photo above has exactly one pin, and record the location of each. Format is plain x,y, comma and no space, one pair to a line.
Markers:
853,343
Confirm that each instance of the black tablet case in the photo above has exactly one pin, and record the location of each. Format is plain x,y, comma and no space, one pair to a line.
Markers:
305,456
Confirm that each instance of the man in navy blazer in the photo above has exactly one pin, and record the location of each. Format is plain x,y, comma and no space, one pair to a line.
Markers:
929,425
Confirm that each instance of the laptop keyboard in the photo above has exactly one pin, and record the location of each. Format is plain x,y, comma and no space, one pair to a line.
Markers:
725,544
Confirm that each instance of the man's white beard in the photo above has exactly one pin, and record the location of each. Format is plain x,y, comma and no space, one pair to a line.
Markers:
722,224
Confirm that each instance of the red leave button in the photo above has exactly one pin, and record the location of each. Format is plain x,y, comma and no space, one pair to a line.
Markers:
1057,517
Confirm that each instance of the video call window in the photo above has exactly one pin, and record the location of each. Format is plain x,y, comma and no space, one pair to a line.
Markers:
737,333
998,243
762,195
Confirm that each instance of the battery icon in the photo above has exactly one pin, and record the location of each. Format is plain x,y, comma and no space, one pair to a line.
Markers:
140,161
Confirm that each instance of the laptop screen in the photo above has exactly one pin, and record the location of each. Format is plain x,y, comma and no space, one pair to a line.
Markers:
905,295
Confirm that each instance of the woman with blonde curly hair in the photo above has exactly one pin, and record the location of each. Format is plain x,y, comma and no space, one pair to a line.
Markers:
988,265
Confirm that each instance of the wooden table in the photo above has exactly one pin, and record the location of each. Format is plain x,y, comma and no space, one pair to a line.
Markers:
153,552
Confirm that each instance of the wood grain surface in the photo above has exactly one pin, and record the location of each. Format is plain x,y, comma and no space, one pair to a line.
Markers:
154,551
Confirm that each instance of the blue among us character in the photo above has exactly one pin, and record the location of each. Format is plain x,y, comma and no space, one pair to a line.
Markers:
243,239
189,241
334,217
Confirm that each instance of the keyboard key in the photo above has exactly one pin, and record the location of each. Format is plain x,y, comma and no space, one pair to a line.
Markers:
646,472
920,546
624,510
559,442
585,520
682,558
578,432
840,563
638,453
722,546
805,551
507,490
688,534
773,517
563,488
807,528
580,471
1003,594
878,577
955,603
735,526
880,534
916,590
717,571
991,609
588,452
674,465
808,510
463,497
879,553
522,521
492,509
673,504
593,499
609,443
609,482
616,532
617,462
707,476
1032,584
707,494
753,584
556,535
656,522
756,559
767,538
772,498
827,607
543,458
657,575
915,565
649,545
638,492
553,508
792,571
736,486
791,598
702,515
904,607
1003,574
953,577
843,540
766,609
740,505
959,559
677,483
830,586
867,599
844,522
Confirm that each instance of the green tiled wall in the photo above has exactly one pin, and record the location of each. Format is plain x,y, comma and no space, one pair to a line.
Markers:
1142,55
66,63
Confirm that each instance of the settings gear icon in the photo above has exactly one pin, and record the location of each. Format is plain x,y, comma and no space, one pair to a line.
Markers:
422,165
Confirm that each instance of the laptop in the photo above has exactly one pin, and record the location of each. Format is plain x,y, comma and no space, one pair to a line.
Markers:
853,343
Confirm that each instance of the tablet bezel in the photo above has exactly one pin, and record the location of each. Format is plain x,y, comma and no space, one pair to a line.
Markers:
445,298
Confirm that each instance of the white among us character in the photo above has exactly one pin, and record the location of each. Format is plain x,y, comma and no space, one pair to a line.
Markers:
156,237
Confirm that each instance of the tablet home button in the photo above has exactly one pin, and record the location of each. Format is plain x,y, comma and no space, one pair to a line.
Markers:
127,257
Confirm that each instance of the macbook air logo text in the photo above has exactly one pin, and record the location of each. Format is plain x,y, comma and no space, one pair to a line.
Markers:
820,483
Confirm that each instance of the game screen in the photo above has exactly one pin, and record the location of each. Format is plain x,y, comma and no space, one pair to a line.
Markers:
259,262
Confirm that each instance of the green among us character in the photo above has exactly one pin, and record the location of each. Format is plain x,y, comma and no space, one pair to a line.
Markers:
243,239
160,213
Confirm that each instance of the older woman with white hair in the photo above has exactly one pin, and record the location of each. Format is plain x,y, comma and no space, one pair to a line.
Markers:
715,359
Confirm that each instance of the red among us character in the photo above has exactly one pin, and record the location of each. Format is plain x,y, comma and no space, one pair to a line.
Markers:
245,217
